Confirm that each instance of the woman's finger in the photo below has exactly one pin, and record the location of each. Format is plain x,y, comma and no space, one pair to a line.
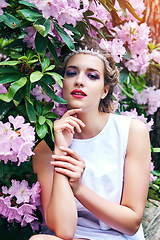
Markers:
72,112
68,173
67,159
72,153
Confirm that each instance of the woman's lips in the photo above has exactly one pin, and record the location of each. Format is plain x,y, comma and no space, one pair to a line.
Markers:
78,93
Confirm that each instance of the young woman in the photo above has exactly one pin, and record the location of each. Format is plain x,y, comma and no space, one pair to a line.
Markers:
95,184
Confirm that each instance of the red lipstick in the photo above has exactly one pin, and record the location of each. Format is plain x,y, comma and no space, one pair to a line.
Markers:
78,93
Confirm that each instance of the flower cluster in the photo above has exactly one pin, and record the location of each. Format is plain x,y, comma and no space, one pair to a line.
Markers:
16,140
134,38
19,203
64,11
149,97
133,113
3,4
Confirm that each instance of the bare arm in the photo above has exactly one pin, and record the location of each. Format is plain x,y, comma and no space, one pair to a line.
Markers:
126,217
57,196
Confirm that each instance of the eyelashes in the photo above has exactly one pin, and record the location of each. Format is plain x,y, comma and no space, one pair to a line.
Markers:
90,75
93,76
71,73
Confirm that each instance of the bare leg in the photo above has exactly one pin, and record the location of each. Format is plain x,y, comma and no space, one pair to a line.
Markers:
49,237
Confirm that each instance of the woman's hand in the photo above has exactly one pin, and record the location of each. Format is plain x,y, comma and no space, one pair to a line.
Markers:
70,165
64,128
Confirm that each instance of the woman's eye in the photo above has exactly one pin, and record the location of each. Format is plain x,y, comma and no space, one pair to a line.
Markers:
93,76
71,73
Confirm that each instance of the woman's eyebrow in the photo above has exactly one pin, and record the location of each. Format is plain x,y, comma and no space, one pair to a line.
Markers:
72,67
93,69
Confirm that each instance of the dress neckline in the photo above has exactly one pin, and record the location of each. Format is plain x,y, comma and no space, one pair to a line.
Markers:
95,137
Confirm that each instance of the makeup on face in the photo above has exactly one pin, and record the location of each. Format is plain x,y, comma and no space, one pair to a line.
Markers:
92,74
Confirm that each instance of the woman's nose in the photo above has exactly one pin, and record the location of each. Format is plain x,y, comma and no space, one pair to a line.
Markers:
79,81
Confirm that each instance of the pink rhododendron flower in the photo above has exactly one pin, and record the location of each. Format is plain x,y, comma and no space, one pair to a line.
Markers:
115,47
64,11
3,4
40,94
16,140
23,209
155,55
30,36
152,177
22,193
133,113
17,122
149,97
2,89
25,152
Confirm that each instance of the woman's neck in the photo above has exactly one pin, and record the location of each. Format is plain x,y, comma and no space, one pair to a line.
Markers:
94,124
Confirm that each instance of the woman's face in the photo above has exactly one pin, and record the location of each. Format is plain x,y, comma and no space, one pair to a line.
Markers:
83,85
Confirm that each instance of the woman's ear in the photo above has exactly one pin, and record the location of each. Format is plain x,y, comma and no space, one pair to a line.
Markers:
105,92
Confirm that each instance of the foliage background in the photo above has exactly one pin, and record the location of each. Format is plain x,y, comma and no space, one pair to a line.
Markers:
32,36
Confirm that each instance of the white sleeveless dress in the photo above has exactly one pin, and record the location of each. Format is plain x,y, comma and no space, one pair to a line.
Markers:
104,156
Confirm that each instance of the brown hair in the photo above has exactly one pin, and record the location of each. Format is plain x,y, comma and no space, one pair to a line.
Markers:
111,74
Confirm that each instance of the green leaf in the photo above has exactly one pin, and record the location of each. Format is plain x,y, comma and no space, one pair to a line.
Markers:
43,26
125,92
156,173
47,79
47,108
124,74
72,29
45,63
41,130
40,43
51,115
32,61
8,78
154,186
38,107
29,14
98,31
51,67
51,93
97,20
50,124
19,96
24,58
9,63
152,194
36,76
11,21
49,141
13,89
30,110
156,150
5,107
64,36
131,9
2,18
27,4
58,78
53,52
7,70
41,120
